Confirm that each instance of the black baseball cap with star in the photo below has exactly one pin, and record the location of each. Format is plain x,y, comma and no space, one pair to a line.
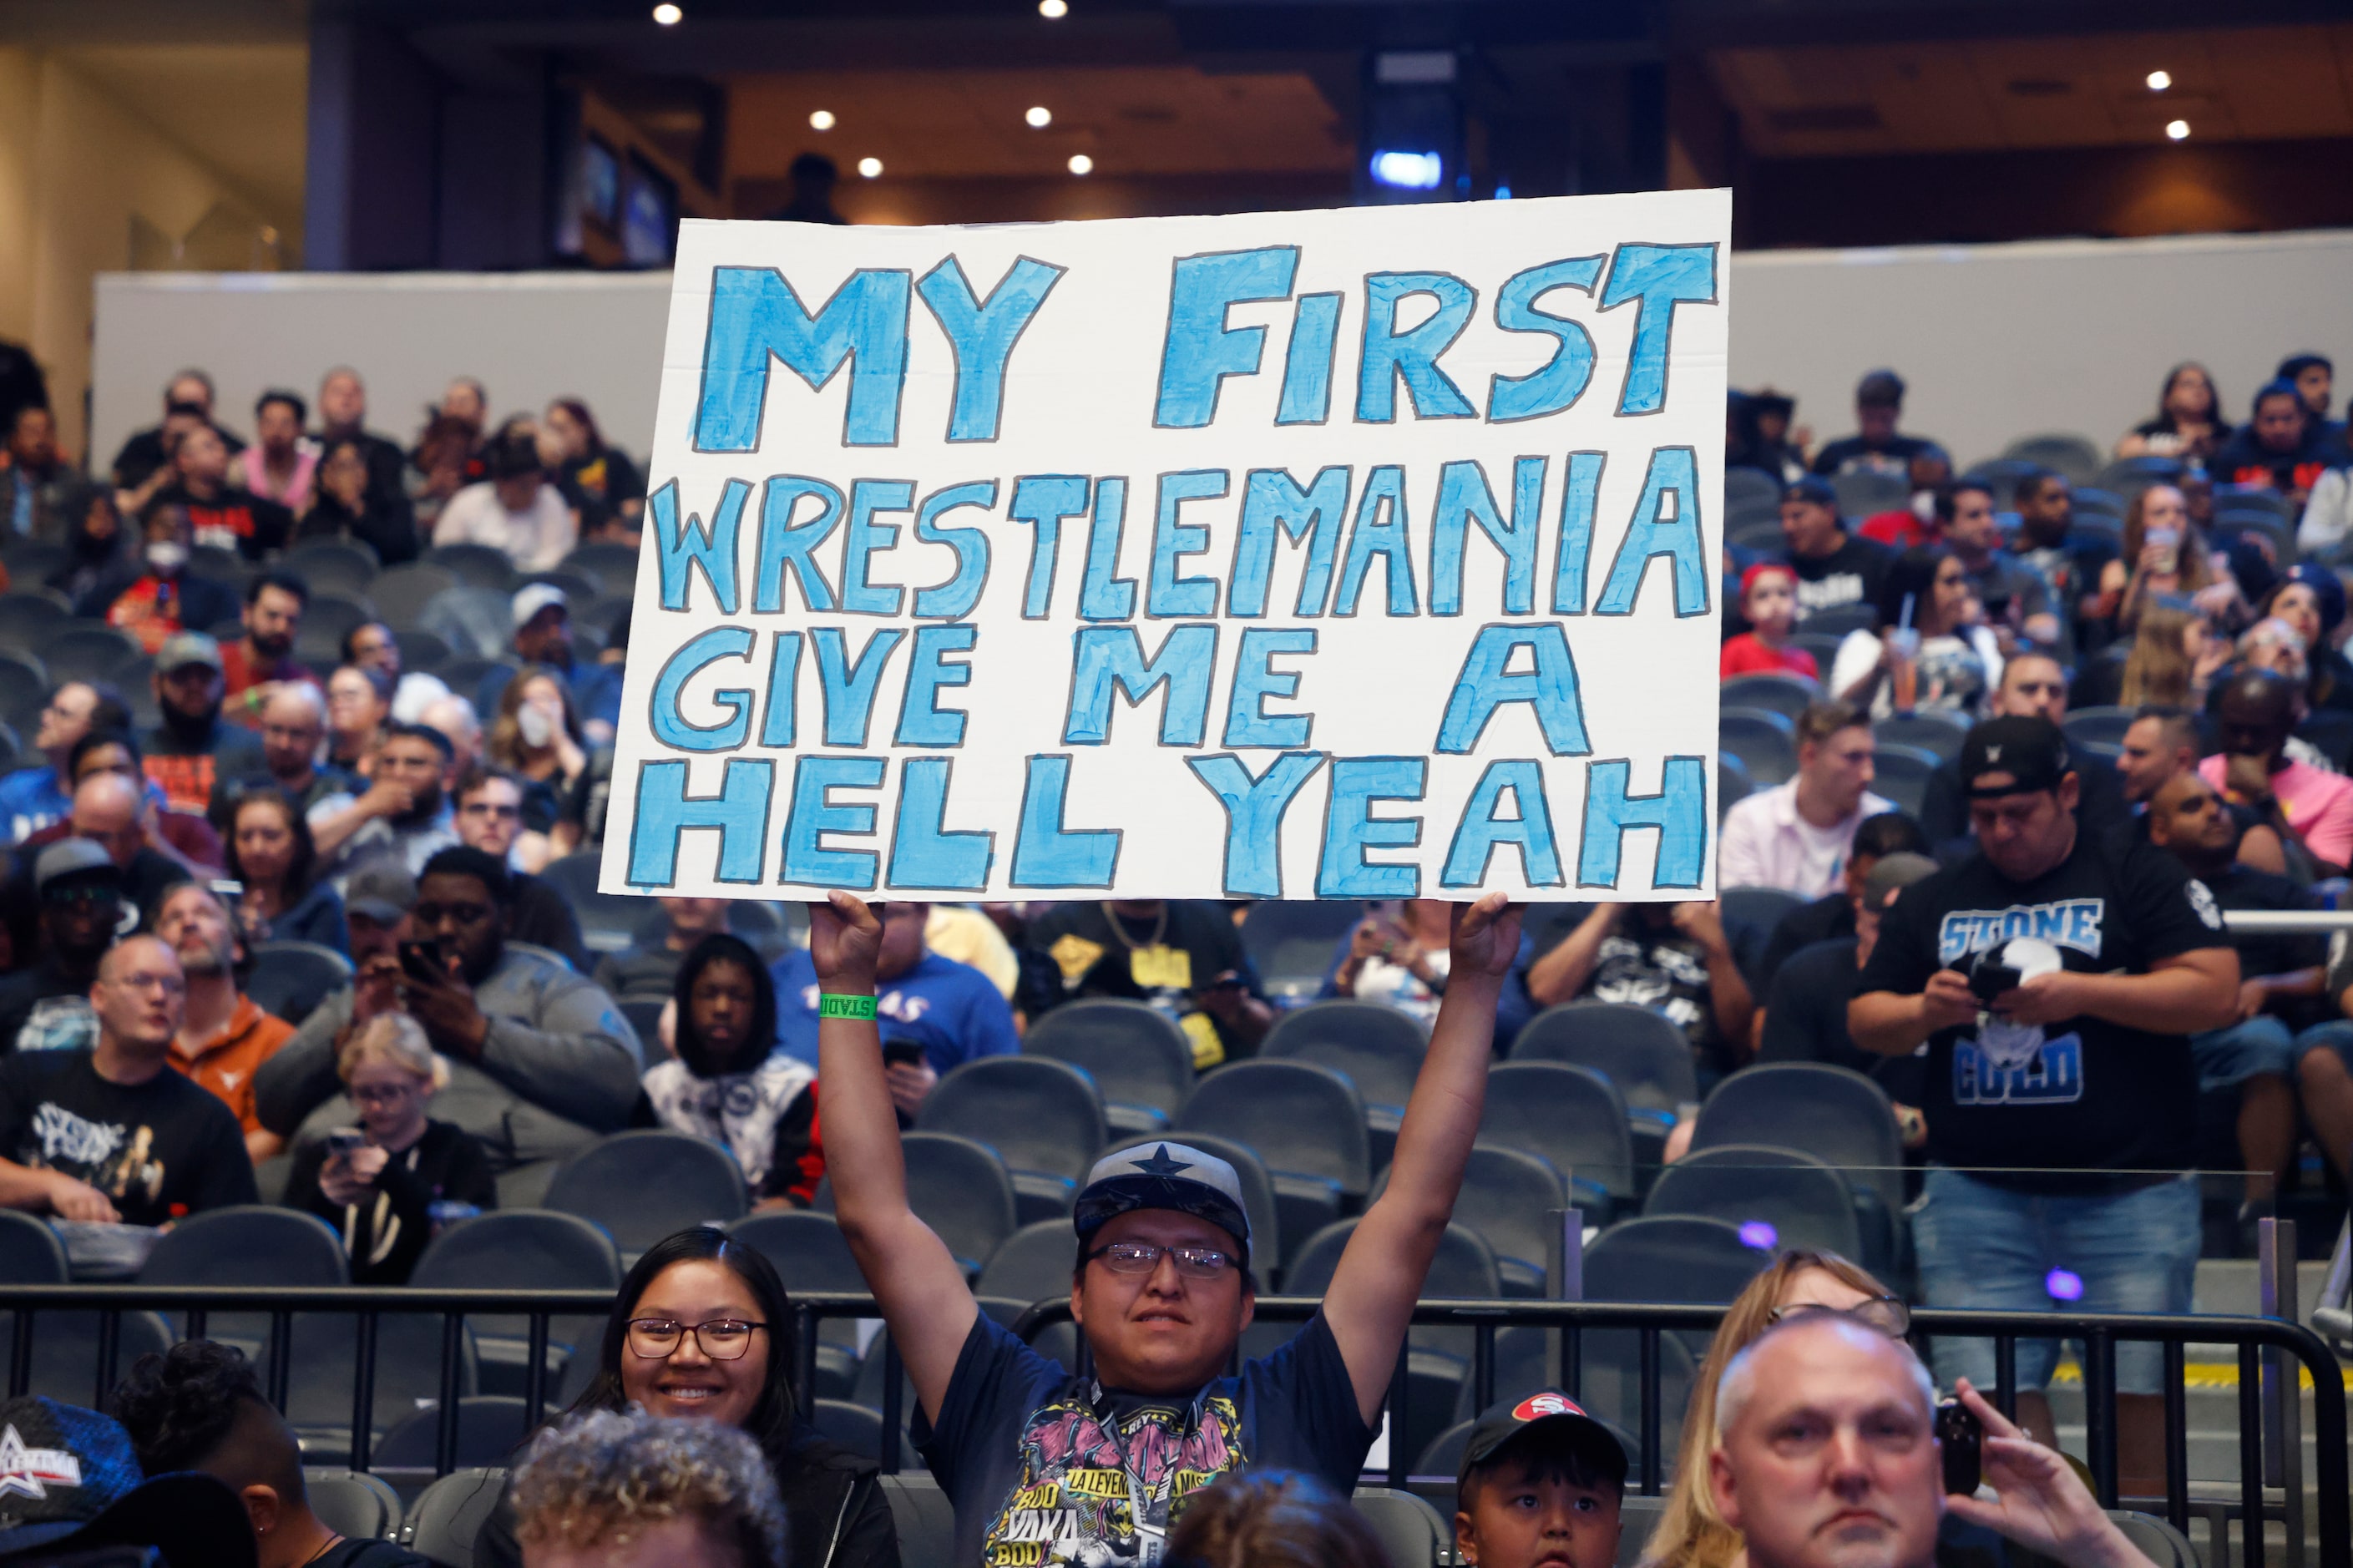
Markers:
1164,1175
2031,753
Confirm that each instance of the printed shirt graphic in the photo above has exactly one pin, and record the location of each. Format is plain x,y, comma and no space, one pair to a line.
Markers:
2040,1107
1045,1469
739,1112
158,1150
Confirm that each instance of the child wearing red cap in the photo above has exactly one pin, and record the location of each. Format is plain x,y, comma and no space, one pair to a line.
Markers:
1539,1485
1768,599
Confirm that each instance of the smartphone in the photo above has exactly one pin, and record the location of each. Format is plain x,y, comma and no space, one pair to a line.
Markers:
1988,981
902,1053
1961,1436
423,960
346,1141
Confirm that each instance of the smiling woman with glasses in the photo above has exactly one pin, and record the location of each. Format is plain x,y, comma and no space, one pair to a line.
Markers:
703,1330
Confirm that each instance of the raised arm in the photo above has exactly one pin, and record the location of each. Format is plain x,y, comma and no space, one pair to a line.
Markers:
1370,1300
914,1276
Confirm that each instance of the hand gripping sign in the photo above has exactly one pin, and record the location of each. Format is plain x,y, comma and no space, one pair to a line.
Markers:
1365,553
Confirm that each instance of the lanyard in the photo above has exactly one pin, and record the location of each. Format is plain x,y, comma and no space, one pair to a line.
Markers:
1151,1540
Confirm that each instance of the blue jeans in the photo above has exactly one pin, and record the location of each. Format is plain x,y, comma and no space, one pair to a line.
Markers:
2338,1033
2251,1048
1994,1249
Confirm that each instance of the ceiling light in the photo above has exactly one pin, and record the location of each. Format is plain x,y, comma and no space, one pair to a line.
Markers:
820,118
870,167
1409,171
1081,164
2177,129
1039,116
1053,10
667,15
2159,80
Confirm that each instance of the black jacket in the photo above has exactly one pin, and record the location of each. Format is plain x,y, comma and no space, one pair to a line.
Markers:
835,1511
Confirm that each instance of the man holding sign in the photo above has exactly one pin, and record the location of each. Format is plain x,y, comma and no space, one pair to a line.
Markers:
1042,1466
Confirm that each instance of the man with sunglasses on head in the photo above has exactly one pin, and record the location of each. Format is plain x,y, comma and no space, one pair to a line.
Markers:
1042,1466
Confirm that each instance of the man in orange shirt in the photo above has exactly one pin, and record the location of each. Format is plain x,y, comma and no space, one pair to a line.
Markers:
256,665
225,1037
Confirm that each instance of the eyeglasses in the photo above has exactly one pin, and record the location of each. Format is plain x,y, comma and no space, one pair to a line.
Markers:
1143,1258
169,985
722,1339
1886,1313
380,1093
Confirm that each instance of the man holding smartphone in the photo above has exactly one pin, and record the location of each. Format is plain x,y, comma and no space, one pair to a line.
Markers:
2053,977
935,1014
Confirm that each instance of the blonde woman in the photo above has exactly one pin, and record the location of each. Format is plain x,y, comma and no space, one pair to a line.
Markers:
387,1185
2162,553
2174,658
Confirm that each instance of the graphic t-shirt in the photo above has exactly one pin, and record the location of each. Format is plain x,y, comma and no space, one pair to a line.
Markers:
948,1008
766,1117
45,1009
2043,1108
1666,971
1851,574
1163,959
159,1150
2243,460
235,520
1849,454
1043,1467
188,771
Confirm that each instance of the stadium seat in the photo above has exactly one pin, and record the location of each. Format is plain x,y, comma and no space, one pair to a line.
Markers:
1647,1057
355,1505
420,650
1787,695
2091,502
2330,729
1733,784
1140,1059
647,1185
248,1244
1293,941
1766,744
860,1430
30,1252
1822,643
921,1516
472,619
400,593
330,617
26,618
219,563
1510,1200
2156,1538
1901,773
1413,1534
31,560
1760,532
2107,724
1778,1197
1033,1264
1375,1047
580,586
11,748
65,1344
1571,1117
1837,620
1044,1118
644,1013
958,1188
489,1428
613,565
1862,492
1754,485
444,1521
86,651
1761,908
608,920
2001,475
2067,453
1936,730
1834,1114
1307,1122
2255,501
2127,477
523,1249
809,1254
480,566
290,979
1675,1258
337,566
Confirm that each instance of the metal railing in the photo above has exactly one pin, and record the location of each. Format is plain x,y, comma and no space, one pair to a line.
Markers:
2290,1345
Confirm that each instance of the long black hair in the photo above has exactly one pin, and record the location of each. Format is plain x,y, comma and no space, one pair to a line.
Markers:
759,1040
772,1419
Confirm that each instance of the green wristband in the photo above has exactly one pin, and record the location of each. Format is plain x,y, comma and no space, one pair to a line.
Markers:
830,1006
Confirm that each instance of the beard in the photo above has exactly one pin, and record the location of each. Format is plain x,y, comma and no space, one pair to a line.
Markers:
194,728
205,958
273,648
423,809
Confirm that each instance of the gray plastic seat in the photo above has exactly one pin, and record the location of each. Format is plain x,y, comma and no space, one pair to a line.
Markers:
921,1516
1307,1122
524,1250
342,567
1937,730
1572,1117
1291,940
960,1189
1679,1258
1646,1056
86,651
419,649
1778,1197
30,1252
859,1430
1033,1263
479,566
811,1253
249,1244
1834,1113
1759,909
401,592
472,619
352,1504
27,618
2098,724
1788,695
1044,1118
444,1521
1377,1049
290,979
647,1185
1141,1061
1511,1201
1732,784
1764,740
1412,1533
2062,452
608,920
614,565
489,1428
1901,772
324,1362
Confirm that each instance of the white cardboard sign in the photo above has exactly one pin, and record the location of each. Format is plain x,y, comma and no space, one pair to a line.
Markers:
1362,553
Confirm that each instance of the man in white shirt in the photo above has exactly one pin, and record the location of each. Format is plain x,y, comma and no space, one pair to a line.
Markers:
515,510
1797,836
